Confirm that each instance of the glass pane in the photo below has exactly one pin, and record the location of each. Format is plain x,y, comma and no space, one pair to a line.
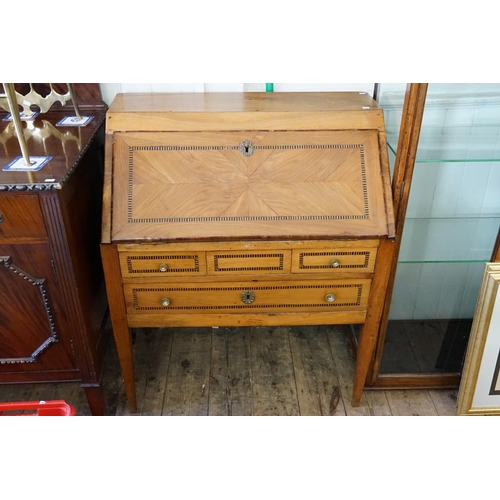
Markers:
452,221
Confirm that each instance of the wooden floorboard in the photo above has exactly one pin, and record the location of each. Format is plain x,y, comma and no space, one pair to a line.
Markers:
406,404
280,371
343,354
274,388
318,387
188,373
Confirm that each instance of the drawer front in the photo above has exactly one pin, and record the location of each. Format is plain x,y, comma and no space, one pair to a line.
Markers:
256,262
337,261
150,264
239,297
21,217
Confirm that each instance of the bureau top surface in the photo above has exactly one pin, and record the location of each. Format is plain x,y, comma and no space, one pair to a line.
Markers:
237,110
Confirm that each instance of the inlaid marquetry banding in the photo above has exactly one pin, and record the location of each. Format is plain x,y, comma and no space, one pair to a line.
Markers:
152,220
194,258
359,288
251,256
7,263
363,181
364,265
221,148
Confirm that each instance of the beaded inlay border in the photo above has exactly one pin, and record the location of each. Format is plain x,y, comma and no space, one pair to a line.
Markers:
251,256
195,269
334,254
7,262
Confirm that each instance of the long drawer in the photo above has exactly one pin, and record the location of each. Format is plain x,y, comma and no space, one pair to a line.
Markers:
237,297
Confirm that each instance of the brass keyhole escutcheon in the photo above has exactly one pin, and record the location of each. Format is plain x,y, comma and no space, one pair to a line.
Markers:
163,268
335,263
165,302
246,148
247,296
330,298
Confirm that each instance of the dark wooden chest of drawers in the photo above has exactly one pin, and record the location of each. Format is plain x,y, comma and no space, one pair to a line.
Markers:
52,295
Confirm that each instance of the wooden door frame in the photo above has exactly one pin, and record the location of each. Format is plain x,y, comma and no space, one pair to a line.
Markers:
409,134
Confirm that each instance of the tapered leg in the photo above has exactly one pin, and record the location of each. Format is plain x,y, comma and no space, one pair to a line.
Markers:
118,314
369,331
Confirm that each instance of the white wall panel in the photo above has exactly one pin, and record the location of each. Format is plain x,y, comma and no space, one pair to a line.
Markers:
224,87
109,90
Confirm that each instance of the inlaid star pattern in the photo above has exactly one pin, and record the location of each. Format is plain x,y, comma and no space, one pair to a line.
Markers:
186,184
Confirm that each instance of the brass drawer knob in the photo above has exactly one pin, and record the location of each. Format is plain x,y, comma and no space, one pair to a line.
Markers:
163,268
165,302
330,298
247,296
335,263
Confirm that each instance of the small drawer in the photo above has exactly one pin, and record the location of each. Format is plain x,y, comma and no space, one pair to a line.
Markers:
249,262
21,218
152,264
338,261
347,295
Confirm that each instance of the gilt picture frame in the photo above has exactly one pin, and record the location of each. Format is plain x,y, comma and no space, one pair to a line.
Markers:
479,392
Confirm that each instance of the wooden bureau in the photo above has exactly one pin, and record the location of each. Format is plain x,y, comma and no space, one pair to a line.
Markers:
235,209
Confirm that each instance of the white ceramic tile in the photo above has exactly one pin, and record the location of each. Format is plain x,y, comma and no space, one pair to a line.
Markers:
429,291
483,241
448,182
224,87
452,290
414,240
405,290
450,239
473,188
323,87
136,87
109,91
177,87
254,87
433,117
422,192
487,115
471,290
459,116
491,200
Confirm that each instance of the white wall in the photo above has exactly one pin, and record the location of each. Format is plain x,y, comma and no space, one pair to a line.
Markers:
109,90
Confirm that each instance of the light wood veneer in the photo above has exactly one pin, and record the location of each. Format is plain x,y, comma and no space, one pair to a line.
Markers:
240,209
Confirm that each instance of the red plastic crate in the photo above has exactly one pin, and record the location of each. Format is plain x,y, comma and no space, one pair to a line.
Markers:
37,409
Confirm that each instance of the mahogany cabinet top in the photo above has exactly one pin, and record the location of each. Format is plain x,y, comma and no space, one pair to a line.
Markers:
66,145
45,137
